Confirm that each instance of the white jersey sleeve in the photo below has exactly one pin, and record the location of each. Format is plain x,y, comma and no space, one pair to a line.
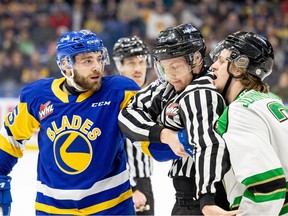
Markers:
256,140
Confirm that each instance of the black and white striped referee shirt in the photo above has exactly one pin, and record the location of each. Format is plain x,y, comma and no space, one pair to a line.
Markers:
139,164
196,109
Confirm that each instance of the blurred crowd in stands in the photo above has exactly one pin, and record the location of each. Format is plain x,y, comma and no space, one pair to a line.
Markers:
29,30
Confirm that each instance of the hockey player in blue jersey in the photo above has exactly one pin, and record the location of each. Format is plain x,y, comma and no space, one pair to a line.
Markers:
81,163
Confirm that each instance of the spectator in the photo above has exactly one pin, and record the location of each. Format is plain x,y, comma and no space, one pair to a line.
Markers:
281,89
264,17
35,70
158,19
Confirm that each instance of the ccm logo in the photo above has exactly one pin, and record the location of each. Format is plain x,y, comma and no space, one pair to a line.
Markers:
102,103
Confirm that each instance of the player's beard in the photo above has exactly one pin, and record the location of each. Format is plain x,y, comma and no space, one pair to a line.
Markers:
87,83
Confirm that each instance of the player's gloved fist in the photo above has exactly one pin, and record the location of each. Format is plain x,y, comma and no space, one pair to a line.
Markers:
5,194
184,140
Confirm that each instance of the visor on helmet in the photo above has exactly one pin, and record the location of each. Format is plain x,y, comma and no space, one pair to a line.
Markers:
240,61
173,71
129,47
73,43
119,61
100,59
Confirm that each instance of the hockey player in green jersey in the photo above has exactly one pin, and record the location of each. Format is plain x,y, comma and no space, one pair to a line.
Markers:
254,127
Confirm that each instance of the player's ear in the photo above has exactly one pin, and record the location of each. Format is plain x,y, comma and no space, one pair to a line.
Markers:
237,72
197,57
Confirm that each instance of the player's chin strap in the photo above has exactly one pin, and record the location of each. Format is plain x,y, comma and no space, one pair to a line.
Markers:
74,89
201,70
196,75
228,82
190,59
71,89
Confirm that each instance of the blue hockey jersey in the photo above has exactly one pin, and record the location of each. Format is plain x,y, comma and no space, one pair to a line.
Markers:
81,163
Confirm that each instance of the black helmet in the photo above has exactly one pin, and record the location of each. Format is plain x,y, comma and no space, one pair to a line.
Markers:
128,47
181,40
257,48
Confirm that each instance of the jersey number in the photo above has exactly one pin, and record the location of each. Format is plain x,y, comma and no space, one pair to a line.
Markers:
279,111
12,115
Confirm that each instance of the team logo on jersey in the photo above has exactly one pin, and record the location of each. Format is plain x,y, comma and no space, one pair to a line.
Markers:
172,109
72,152
45,110
72,137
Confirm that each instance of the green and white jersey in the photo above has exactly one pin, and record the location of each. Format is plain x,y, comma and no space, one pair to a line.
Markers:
255,129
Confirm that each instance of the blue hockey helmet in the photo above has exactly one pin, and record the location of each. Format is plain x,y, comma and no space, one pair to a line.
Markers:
74,43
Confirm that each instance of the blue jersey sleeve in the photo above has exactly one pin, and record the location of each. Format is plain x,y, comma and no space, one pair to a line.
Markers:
159,151
7,162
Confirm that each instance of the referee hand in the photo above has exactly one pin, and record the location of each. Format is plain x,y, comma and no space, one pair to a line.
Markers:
139,199
212,210
170,137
